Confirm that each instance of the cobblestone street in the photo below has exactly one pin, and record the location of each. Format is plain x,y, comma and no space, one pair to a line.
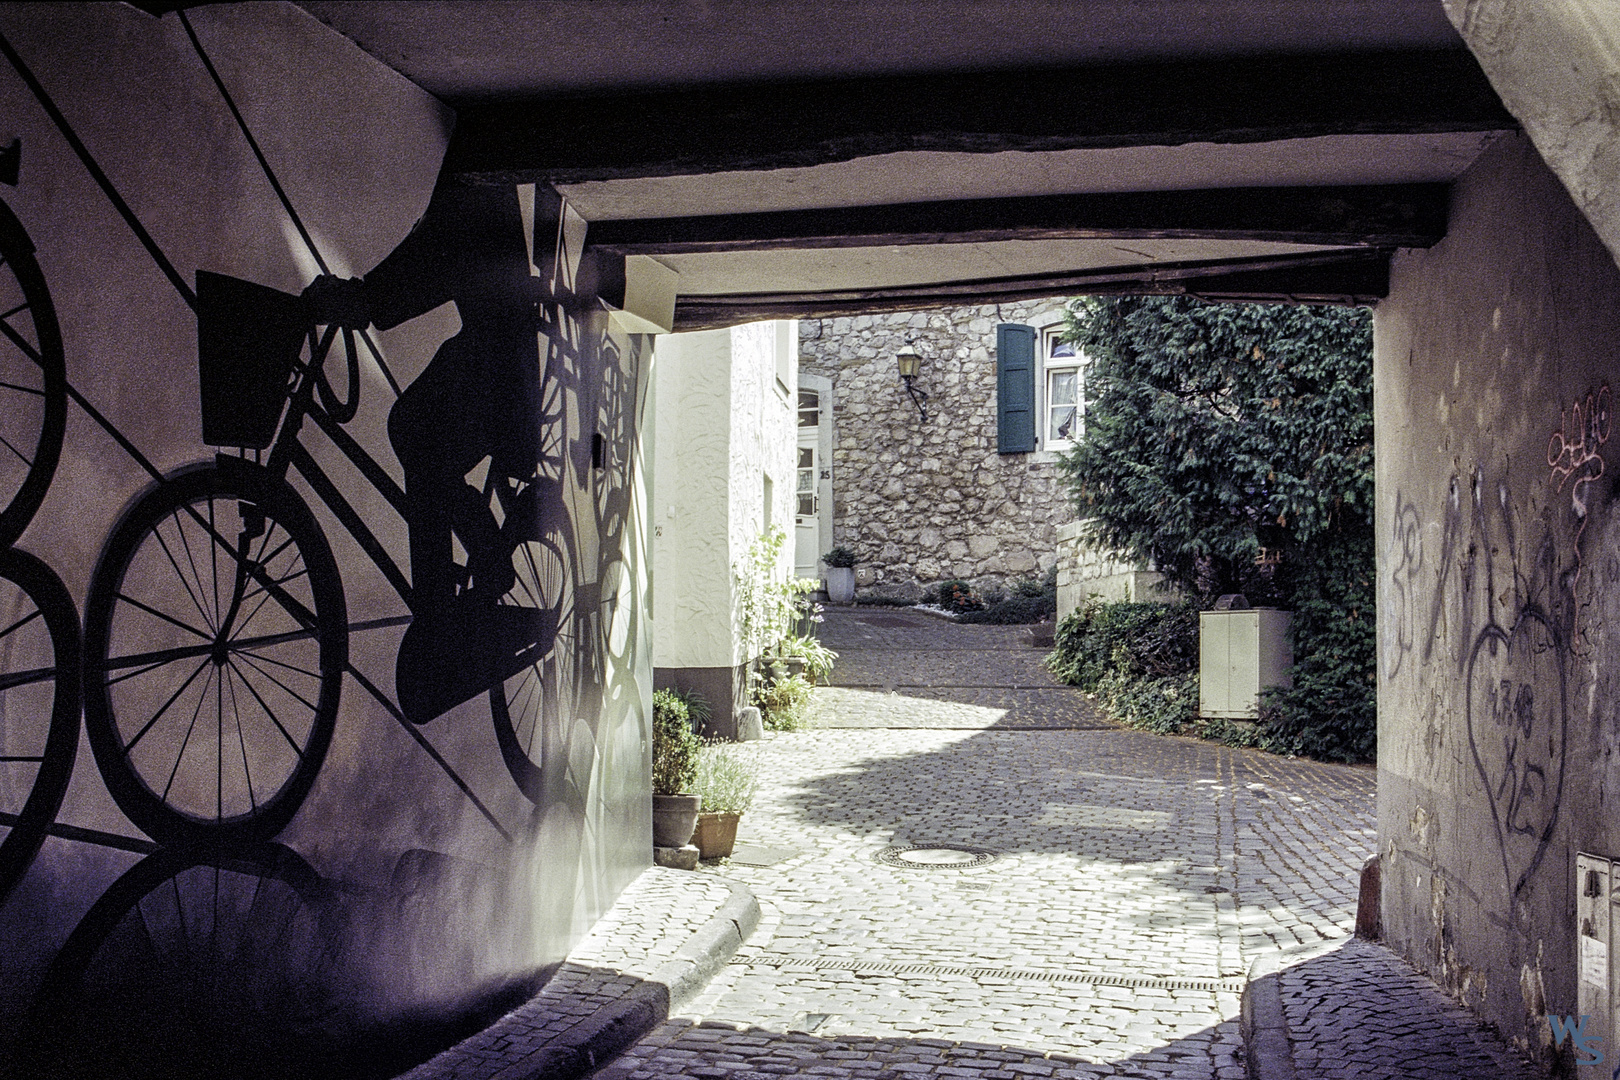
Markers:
1131,882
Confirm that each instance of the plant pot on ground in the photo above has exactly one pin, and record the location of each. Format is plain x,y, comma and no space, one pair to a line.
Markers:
674,771
727,780
840,563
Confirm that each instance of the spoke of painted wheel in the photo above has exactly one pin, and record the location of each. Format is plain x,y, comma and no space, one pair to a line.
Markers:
196,574
21,389
267,594
21,342
157,534
20,455
9,759
241,741
6,315
219,751
270,712
129,747
186,652
310,705
20,623
279,663
185,742
14,679
533,575
260,605
532,688
150,610
213,554
155,664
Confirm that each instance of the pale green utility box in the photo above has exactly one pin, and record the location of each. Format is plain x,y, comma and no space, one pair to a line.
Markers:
1241,653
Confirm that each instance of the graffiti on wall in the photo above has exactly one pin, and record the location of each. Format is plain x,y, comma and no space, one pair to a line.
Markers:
1511,596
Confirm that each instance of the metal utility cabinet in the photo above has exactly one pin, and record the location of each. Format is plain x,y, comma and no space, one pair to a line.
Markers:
1241,653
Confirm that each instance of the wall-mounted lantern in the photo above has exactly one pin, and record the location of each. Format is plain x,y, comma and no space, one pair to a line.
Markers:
910,362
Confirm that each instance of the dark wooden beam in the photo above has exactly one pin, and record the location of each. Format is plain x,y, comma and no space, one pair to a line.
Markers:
778,125
1356,277
1406,215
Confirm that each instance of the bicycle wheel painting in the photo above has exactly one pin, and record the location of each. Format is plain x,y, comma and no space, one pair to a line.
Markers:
219,639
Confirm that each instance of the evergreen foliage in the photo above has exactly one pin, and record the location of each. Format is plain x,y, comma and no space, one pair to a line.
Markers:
674,745
1214,431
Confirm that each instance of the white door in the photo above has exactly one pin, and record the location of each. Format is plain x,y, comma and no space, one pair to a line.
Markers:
806,522
812,488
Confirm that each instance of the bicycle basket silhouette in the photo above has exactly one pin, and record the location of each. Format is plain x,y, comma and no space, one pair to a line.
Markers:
248,338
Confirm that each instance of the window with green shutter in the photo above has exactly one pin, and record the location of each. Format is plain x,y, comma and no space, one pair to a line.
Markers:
1015,388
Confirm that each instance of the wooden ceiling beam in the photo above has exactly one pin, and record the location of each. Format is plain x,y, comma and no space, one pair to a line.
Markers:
1381,216
708,129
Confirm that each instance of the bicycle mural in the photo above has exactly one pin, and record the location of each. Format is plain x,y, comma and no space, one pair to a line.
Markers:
373,599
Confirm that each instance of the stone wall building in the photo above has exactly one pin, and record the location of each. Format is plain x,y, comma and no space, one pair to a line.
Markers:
927,501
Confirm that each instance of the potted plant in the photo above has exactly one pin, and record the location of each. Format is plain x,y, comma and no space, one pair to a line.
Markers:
727,780
840,574
674,770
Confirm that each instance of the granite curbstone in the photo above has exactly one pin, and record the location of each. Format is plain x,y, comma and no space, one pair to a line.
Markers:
635,1008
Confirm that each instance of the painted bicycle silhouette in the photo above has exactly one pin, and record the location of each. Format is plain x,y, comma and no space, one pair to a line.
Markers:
216,627
39,625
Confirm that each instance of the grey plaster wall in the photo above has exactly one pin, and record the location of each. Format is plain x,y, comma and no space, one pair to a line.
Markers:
1495,357
926,502
440,869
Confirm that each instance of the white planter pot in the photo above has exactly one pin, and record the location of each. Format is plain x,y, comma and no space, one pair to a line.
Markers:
841,584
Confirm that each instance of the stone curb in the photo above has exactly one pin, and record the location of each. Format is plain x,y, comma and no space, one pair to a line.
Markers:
1267,1050
501,1052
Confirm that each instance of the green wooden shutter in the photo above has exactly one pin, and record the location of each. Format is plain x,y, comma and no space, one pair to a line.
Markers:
1015,388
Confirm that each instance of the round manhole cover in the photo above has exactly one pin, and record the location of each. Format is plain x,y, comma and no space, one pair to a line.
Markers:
934,858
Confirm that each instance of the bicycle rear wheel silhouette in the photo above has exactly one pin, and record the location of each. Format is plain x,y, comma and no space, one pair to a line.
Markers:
33,381
530,707
39,707
215,645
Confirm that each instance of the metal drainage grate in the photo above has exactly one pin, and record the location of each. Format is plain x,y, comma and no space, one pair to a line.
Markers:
934,857
1133,982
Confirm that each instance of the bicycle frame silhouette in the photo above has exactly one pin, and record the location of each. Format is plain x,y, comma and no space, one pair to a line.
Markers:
216,628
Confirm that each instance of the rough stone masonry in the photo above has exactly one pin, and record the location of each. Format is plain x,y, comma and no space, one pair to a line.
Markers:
926,502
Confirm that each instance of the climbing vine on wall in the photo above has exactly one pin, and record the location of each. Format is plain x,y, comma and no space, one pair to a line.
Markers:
1231,444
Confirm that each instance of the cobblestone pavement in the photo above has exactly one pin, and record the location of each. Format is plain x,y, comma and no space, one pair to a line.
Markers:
1332,1003
1135,880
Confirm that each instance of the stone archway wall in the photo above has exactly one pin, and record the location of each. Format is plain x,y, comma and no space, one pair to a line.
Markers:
927,502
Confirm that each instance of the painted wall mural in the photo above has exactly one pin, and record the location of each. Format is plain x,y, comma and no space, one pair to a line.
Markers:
356,535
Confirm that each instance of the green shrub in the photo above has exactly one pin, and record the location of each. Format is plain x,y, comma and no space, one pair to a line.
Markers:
1012,610
1138,640
840,556
727,778
783,703
675,745
955,596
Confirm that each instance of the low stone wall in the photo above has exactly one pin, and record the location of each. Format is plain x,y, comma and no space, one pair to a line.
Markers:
1085,570
926,502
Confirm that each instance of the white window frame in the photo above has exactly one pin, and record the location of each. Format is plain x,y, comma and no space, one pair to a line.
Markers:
1049,337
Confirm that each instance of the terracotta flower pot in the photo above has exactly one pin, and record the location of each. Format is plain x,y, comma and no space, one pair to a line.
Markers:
716,834
674,819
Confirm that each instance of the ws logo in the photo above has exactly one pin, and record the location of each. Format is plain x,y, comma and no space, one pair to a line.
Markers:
1567,1028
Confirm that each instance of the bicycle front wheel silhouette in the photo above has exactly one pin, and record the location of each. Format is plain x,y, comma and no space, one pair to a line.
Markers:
33,381
39,707
215,645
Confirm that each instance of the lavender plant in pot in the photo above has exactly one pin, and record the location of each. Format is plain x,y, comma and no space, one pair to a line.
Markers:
674,769
840,574
727,779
